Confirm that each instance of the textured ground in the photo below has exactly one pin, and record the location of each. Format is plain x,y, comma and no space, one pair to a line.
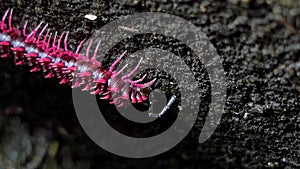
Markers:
259,41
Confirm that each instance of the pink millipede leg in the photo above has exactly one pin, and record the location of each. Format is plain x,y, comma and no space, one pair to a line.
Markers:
66,41
125,95
88,49
120,71
10,19
54,39
45,40
80,46
105,97
97,91
3,19
121,104
114,101
76,84
132,97
116,62
141,79
48,42
41,33
145,84
96,50
33,33
139,97
136,81
24,29
133,71
59,40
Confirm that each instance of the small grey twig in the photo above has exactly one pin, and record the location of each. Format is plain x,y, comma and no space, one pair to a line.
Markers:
164,110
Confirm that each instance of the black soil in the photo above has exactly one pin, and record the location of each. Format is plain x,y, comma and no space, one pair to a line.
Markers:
258,40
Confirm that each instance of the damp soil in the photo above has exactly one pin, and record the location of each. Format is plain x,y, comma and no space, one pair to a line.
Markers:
258,41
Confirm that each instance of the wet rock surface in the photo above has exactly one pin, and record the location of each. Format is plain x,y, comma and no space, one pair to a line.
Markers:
258,40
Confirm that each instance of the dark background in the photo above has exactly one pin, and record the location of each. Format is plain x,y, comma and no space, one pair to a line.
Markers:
258,40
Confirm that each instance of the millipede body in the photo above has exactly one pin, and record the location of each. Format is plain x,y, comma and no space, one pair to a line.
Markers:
45,51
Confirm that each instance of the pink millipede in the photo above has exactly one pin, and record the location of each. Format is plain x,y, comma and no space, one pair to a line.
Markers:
41,49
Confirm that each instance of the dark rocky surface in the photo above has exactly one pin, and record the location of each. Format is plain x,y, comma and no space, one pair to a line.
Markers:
259,42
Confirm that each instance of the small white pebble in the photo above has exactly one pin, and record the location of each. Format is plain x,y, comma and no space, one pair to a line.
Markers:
90,17
180,108
246,115
270,164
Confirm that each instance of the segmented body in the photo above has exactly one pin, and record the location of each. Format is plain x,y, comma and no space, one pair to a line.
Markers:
42,51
